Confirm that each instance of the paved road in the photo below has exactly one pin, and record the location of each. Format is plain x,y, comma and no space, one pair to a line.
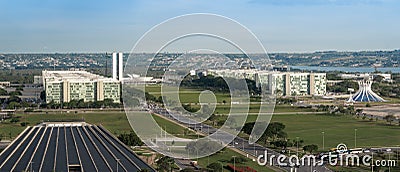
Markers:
239,143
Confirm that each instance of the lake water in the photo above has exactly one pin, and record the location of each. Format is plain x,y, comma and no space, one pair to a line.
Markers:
348,69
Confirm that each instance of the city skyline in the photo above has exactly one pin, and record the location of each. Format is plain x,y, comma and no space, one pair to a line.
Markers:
281,26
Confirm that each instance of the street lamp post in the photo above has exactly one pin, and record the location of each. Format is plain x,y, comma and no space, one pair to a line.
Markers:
297,145
323,140
234,164
355,138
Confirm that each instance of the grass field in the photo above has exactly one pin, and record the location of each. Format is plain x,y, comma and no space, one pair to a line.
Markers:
174,129
224,157
339,129
254,108
187,95
115,122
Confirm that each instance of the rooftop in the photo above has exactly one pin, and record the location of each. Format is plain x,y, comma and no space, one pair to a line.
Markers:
73,76
68,146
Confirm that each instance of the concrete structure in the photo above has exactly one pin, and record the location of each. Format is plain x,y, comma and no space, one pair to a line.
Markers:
5,84
385,76
114,66
69,146
117,66
64,86
365,93
120,66
38,80
282,83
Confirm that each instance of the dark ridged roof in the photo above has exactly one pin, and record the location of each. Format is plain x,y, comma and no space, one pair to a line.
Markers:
68,147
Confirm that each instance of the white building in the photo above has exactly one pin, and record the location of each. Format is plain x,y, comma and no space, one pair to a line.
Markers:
64,86
282,83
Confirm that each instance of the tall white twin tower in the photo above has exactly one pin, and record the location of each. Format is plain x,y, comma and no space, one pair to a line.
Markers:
117,68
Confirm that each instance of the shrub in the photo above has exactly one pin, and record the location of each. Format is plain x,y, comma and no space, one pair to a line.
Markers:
24,124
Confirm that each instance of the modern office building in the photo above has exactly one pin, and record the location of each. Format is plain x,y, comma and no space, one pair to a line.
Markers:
282,83
64,86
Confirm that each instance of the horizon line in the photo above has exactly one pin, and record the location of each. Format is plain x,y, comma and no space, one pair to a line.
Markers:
272,52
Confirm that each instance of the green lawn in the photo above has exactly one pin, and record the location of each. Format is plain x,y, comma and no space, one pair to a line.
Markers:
115,122
187,95
225,156
174,129
254,108
339,129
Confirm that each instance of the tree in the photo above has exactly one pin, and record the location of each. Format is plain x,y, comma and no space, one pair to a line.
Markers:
144,170
165,164
205,111
364,117
390,118
359,111
238,159
14,98
13,105
342,87
378,78
248,127
43,95
310,148
231,122
213,118
215,167
130,139
23,124
3,92
275,131
280,143
203,147
187,170
15,93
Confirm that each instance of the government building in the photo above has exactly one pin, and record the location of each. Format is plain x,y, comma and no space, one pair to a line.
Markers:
281,83
64,86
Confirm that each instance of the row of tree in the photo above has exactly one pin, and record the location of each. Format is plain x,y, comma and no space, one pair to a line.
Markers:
109,103
220,84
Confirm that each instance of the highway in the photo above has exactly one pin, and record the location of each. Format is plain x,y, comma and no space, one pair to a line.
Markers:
252,150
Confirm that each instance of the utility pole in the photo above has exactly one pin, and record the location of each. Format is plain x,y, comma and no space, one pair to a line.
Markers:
355,138
323,140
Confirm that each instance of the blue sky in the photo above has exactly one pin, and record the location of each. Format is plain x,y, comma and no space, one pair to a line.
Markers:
281,25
